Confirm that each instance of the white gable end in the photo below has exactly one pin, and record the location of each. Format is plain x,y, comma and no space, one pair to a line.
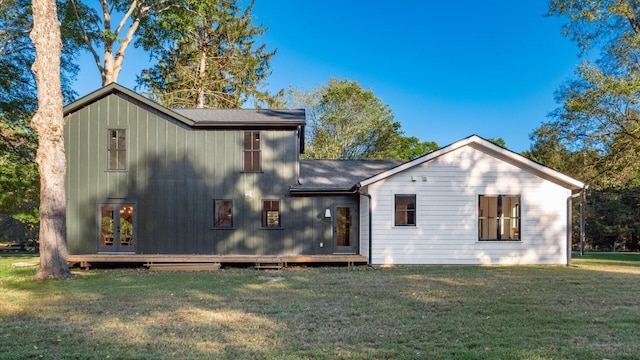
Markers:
446,231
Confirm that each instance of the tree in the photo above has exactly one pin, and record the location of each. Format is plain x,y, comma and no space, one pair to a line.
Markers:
19,180
499,141
97,32
48,122
410,148
549,150
206,55
600,104
347,122
614,218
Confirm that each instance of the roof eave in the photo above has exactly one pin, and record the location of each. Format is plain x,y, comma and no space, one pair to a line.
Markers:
542,170
114,88
261,124
323,191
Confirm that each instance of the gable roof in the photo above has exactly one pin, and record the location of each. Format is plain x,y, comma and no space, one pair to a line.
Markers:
114,88
234,117
200,118
338,175
495,150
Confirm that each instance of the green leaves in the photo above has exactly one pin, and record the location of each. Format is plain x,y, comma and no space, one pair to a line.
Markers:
207,57
346,121
599,111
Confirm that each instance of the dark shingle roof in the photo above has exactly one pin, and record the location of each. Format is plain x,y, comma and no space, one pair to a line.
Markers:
229,117
339,175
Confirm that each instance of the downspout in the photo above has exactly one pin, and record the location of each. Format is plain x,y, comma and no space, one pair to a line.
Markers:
581,194
362,193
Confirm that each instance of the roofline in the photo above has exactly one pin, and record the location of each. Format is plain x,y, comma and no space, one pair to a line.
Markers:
114,88
567,181
254,124
320,191
117,88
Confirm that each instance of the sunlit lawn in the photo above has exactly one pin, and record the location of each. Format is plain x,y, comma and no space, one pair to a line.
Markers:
590,310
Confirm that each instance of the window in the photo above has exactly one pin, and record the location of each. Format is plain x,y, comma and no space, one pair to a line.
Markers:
499,217
405,210
223,213
271,213
251,151
117,149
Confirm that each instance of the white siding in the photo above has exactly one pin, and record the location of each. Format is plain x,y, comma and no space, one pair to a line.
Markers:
447,213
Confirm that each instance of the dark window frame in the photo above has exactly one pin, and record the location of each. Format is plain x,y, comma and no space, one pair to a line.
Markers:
407,213
252,151
500,218
117,151
217,216
268,214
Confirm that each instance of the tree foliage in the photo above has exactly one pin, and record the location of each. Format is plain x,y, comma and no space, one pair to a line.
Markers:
498,141
19,179
346,121
599,111
410,147
206,54
614,218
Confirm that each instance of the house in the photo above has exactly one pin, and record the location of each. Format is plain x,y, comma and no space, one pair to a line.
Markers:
144,179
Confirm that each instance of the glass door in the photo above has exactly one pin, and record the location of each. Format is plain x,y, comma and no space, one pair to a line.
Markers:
345,242
117,228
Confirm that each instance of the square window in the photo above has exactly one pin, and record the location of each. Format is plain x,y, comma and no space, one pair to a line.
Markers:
405,210
223,213
499,217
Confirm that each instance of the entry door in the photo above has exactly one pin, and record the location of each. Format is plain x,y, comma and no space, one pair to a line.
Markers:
117,228
343,234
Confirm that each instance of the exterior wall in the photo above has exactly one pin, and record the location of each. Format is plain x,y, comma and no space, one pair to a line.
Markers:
173,175
364,221
447,213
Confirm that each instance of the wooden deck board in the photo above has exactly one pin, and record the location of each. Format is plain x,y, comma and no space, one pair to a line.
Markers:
87,259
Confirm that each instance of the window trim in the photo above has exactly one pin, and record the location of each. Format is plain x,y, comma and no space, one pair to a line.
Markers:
500,218
264,217
215,215
251,150
117,150
405,211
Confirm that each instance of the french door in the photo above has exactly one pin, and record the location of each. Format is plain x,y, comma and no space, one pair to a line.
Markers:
117,228
343,234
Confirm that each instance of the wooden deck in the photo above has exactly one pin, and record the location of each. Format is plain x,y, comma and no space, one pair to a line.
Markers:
260,261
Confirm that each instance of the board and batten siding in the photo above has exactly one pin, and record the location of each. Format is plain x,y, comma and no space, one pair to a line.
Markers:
447,213
173,174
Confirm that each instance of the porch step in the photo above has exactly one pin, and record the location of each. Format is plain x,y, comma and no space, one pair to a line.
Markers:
183,267
270,263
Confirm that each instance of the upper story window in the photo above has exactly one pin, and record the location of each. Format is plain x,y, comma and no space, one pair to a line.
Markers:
271,213
223,213
252,156
117,149
498,217
405,209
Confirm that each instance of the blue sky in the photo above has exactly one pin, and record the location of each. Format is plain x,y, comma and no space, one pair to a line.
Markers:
447,69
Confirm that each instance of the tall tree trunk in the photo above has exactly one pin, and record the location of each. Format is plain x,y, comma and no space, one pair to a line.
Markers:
48,123
202,68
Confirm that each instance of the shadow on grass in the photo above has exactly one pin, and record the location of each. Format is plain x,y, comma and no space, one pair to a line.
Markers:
412,312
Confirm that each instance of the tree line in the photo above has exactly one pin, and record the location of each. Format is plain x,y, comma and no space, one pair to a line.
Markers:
207,54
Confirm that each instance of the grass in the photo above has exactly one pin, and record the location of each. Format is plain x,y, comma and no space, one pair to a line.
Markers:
585,311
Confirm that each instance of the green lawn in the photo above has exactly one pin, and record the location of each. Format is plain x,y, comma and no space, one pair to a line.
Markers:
590,310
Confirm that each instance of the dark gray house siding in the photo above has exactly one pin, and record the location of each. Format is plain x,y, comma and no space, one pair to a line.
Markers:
176,167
